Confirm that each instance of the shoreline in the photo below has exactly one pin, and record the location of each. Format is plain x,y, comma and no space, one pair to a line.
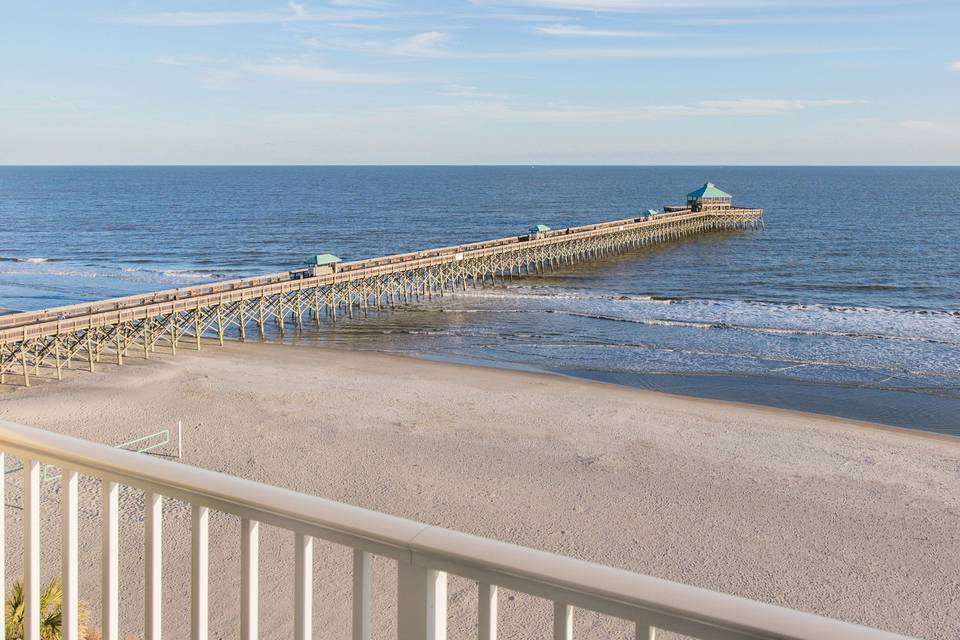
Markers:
788,394
825,515
604,378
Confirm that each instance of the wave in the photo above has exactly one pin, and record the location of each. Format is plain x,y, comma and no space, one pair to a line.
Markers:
580,294
28,260
755,316
56,268
200,275
755,329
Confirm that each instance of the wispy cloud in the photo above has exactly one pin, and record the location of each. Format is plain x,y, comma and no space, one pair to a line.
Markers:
513,17
630,53
502,111
293,12
363,26
918,125
424,44
302,72
359,3
48,105
186,60
707,108
466,91
583,32
421,44
767,106
812,19
629,5
652,5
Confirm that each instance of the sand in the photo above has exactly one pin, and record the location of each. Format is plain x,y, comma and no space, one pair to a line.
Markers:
837,518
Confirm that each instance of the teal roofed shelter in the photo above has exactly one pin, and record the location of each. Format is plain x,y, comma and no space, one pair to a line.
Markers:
708,198
322,263
322,260
539,228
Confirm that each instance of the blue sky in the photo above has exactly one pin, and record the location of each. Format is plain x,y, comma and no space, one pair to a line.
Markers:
481,81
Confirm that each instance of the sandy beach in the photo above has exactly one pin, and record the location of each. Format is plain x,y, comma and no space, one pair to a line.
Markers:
837,518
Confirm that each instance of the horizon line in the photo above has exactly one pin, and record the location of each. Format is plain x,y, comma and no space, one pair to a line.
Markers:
417,164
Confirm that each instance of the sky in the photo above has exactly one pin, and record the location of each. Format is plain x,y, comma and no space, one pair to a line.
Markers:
480,82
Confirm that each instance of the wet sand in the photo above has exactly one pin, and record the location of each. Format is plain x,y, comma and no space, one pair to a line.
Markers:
820,514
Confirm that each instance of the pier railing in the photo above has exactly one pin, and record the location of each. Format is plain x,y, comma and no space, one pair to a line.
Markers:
424,556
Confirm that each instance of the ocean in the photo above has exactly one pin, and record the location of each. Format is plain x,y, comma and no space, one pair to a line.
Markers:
847,302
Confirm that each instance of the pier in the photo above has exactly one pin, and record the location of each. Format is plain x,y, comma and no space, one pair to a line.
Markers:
108,331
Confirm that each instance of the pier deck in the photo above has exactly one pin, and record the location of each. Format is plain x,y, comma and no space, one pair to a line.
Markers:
52,339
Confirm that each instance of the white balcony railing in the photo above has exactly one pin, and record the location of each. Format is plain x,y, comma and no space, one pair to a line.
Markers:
424,556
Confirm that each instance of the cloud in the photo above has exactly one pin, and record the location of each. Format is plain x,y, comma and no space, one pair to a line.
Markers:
322,75
466,91
762,20
632,53
629,5
513,17
706,108
48,104
918,125
358,3
580,31
294,12
421,44
425,44
774,105
501,111
361,26
185,61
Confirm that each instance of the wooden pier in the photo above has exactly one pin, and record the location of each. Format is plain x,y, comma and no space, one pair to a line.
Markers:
85,335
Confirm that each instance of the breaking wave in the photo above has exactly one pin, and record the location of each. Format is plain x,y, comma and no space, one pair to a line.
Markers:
770,318
28,260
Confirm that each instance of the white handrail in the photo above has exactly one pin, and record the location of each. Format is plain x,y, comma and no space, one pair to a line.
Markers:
425,554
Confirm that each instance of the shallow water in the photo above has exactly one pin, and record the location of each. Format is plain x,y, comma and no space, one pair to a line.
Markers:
854,283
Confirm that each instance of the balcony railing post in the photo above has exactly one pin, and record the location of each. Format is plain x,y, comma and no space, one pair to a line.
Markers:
153,566
249,579
31,550
69,610
645,632
199,566
421,603
487,610
562,621
361,595
303,588
109,566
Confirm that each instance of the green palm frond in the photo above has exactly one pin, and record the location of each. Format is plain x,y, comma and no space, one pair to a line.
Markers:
51,617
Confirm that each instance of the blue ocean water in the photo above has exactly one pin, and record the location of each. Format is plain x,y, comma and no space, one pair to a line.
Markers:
854,284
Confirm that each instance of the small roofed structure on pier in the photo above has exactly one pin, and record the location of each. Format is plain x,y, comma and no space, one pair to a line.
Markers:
317,265
537,230
708,198
323,260
323,263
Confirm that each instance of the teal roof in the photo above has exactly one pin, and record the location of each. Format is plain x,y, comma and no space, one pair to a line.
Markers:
707,191
652,212
323,259
539,228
